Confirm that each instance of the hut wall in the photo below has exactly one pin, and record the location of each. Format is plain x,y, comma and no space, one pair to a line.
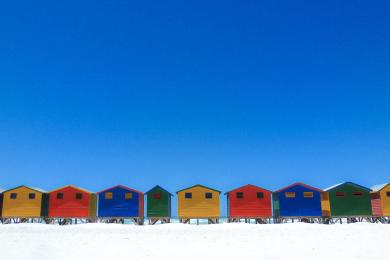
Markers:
119,205
345,202
158,203
1,204
198,206
385,200
299,205
250,205
325,204
92,206
22,205
376,204
69,205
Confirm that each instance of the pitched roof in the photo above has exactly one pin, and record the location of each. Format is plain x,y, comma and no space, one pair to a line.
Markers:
159,187
72,186
246,186
379,186
31,188
120,186
198,185
347,183
300,184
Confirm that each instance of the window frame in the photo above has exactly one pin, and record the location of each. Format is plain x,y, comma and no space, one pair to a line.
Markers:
308,194
388,193
13,196
239,195
357,194
290,195
260,195
188,195
32,196
129,196
108,195
340,194
60,196
79,196
157,196
208,195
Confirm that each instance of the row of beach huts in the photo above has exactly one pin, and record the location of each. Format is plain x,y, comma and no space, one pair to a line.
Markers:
300,202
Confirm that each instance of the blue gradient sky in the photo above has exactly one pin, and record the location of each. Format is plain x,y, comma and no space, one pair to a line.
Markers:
223,93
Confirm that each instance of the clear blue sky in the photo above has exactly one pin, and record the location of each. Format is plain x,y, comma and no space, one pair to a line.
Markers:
223,93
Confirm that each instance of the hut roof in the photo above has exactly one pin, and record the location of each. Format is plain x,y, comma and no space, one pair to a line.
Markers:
347,183
246,186
300,184
31,188
198,185
158,186
379,187
72,186
121,186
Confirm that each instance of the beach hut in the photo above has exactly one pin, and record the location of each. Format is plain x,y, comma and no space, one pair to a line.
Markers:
72,202
1,201
25,203
198,202
249,202
380,200
349,200
299,201
158,205
119,202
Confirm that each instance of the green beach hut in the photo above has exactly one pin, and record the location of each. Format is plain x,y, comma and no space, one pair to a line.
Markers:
349,200
158,205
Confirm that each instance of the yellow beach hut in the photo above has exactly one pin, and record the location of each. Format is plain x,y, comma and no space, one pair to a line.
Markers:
198,202
25,202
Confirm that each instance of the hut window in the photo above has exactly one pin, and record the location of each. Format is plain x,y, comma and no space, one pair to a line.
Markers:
260,195
340,194
208,195
60,196
240,195
188,195
128,196
31,196
79,196
108,195
290,194
157,196
13,196
308,194
388,194
357,194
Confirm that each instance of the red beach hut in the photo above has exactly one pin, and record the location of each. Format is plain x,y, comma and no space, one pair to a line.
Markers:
72,202
249,202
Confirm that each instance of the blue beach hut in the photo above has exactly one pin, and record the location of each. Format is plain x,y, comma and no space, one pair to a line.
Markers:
120,202
297,200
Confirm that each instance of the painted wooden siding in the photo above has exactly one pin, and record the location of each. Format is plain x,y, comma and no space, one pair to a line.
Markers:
1,204
198,206
350,204
385,200
249,205
376,204
299,206
119,206
325,204
158,203
22,206
69,205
